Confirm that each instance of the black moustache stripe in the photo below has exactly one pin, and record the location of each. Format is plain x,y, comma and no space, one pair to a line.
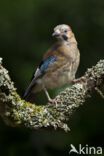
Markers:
65,37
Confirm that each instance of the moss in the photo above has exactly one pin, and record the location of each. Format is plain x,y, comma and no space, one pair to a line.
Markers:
18,112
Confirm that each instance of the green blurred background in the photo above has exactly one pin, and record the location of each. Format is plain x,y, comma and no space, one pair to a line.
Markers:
25,34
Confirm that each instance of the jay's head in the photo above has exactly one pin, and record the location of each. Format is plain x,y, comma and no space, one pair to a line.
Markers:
62,32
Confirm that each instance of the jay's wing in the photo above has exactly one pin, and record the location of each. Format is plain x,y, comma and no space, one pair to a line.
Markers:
44,65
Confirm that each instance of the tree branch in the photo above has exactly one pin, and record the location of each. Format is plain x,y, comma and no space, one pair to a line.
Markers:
17,112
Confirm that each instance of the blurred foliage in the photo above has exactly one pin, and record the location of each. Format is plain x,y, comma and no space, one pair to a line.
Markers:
25,34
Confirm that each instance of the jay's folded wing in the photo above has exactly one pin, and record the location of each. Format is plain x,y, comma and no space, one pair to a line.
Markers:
44,65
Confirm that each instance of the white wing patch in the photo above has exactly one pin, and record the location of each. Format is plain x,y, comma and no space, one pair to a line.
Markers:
37,73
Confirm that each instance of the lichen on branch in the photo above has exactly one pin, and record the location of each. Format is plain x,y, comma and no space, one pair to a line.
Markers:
17,112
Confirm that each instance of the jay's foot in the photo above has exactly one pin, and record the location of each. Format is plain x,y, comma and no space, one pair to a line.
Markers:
54,101
79,80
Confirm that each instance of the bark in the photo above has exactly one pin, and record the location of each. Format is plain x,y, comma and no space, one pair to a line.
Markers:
17,112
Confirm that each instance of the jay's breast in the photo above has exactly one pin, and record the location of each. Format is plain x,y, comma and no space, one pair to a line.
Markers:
58,78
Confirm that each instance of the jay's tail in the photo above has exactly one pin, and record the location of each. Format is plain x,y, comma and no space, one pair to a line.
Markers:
29,95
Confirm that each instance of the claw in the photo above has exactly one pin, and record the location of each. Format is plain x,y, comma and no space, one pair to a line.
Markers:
79,80
52,101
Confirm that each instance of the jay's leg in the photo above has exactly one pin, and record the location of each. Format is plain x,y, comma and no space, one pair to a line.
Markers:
79,80
51,101
47,94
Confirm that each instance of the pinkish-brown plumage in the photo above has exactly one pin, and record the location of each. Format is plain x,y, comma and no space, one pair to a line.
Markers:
59,64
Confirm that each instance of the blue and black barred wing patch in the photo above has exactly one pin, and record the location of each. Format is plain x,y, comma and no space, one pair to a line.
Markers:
44,65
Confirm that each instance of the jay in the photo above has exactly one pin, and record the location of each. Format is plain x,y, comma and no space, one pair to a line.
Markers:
59,64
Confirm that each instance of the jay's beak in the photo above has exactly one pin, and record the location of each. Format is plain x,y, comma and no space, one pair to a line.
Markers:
56,33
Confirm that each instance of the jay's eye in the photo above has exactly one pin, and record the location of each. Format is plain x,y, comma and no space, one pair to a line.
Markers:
65,31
